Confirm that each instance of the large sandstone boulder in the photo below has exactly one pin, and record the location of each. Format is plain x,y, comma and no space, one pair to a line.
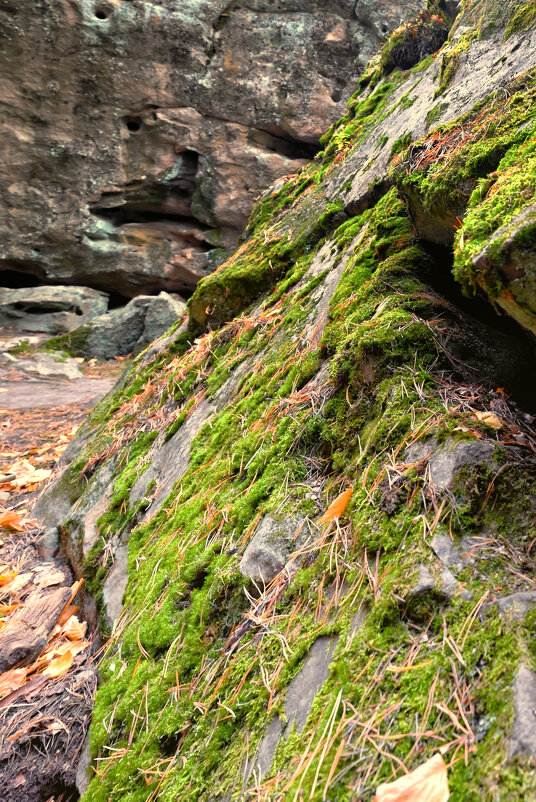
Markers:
137,135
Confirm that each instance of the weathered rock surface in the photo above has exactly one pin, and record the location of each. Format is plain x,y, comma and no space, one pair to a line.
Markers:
126,330
138,135
50,309
324,354
270,547
523,735
47,366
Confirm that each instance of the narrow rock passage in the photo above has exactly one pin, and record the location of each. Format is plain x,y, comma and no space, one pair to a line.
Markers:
47,651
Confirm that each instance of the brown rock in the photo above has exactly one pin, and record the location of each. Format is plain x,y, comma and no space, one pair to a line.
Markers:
136,137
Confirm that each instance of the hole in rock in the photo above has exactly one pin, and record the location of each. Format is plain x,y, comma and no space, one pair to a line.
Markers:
501,351
279,141
15,280
46,309
102,13
133,124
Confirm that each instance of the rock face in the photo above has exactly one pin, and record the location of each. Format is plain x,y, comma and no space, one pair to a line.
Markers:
137,135
125,330
50,309
331,350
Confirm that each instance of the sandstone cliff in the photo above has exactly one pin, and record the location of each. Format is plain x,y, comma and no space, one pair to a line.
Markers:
260,648
138,134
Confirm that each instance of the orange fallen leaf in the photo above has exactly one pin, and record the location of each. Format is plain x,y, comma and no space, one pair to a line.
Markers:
337,507
60,665
6,578
12,679
12,520
427,783
74,629
5,609
16,584
489,418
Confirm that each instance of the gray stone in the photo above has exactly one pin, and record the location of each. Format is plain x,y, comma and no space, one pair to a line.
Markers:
455,556
169,460
83,779
49,543
162,312
114,586
122,171
50,309
517,605
450,586
50,366
445,461
306,684
425,582
523,735
262,762
270,547
126,330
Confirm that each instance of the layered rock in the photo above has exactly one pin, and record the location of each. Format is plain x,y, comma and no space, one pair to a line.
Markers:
137,135
276,653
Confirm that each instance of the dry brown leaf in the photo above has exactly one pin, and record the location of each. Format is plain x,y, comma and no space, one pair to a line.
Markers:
337,507
12,520
12,679
54,578
60,665
6,609
26,474
489,418
74,629
427,783
16,584
8,577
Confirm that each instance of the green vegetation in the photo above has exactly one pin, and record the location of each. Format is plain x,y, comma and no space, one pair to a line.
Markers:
325,361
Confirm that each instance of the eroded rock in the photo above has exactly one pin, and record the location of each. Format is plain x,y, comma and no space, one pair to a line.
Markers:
270,547
125,330
135,149
50,309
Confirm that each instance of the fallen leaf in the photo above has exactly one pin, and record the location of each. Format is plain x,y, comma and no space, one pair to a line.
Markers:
12,679
54,578
489,418
337,507
12,520
427,783
60,665
6,609
27,474
74,629
16,584
6,578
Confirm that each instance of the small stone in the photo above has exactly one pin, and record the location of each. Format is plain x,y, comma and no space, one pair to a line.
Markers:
49,543
269,549
523,735
425,583
517,605
115,585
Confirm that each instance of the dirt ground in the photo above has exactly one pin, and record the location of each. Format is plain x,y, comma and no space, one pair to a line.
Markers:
46,691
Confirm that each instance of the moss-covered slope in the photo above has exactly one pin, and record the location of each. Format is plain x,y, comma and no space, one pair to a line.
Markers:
330,352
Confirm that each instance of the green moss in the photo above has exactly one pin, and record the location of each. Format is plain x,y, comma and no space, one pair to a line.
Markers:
434,114
401,143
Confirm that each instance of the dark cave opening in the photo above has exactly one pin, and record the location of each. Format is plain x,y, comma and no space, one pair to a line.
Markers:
504,353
